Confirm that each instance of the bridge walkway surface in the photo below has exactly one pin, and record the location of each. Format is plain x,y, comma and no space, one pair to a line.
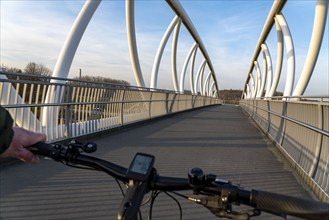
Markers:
219,139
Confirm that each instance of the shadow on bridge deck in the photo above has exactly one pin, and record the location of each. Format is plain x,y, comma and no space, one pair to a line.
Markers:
219,139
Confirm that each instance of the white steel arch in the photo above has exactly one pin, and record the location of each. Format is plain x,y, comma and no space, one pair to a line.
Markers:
208,86
73,39
201,69
319,25
269,71
248,91
290,55
174,55
261,91
188,57
66,56
156,64
211,91
130,20
206,83
202,82
279,59
252,86
192,70
259,79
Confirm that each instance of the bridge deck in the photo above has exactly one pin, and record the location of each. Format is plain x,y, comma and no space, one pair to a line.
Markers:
219,139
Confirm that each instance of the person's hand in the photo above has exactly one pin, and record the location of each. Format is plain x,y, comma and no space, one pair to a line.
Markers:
23,138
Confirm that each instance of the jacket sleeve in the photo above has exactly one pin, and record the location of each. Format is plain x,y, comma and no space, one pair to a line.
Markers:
6,131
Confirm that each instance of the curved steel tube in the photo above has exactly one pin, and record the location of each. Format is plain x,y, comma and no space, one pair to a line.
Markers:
290,55
314,48
264,78
174,55
269,71
64,61
192,71
130,20
206,83
253,87
188,57
211,90
259,79
201,69
279,59
156,64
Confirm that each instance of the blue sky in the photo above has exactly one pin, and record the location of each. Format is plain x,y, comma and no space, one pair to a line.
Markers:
36,30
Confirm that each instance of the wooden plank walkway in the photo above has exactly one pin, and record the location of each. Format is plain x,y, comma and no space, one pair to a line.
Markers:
219,139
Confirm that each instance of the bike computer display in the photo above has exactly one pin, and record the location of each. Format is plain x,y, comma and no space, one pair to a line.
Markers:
140,167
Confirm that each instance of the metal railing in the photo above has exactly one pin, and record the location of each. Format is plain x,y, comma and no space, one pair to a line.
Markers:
297,124
86,107
301,131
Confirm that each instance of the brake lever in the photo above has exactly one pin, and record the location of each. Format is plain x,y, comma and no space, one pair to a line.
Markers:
223,209
76,146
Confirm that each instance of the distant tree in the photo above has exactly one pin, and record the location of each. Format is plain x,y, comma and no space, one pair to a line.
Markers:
37,69
31,68
10,69
230,96
25,89
101,79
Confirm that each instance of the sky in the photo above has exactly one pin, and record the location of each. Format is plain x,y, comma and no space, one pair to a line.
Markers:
35,31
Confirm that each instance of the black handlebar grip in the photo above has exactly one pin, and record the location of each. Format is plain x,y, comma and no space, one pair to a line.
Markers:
41,148
276,203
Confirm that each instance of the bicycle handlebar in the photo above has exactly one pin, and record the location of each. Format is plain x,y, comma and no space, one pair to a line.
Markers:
277,203
266,201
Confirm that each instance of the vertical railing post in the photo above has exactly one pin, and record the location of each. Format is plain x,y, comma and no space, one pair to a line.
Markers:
193,101
317,153
167,103
122,106
150,104
283,121
268,115
68,116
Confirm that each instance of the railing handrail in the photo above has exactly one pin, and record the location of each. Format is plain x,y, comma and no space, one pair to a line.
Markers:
300,135
65,80
305,125
294,98
78,102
